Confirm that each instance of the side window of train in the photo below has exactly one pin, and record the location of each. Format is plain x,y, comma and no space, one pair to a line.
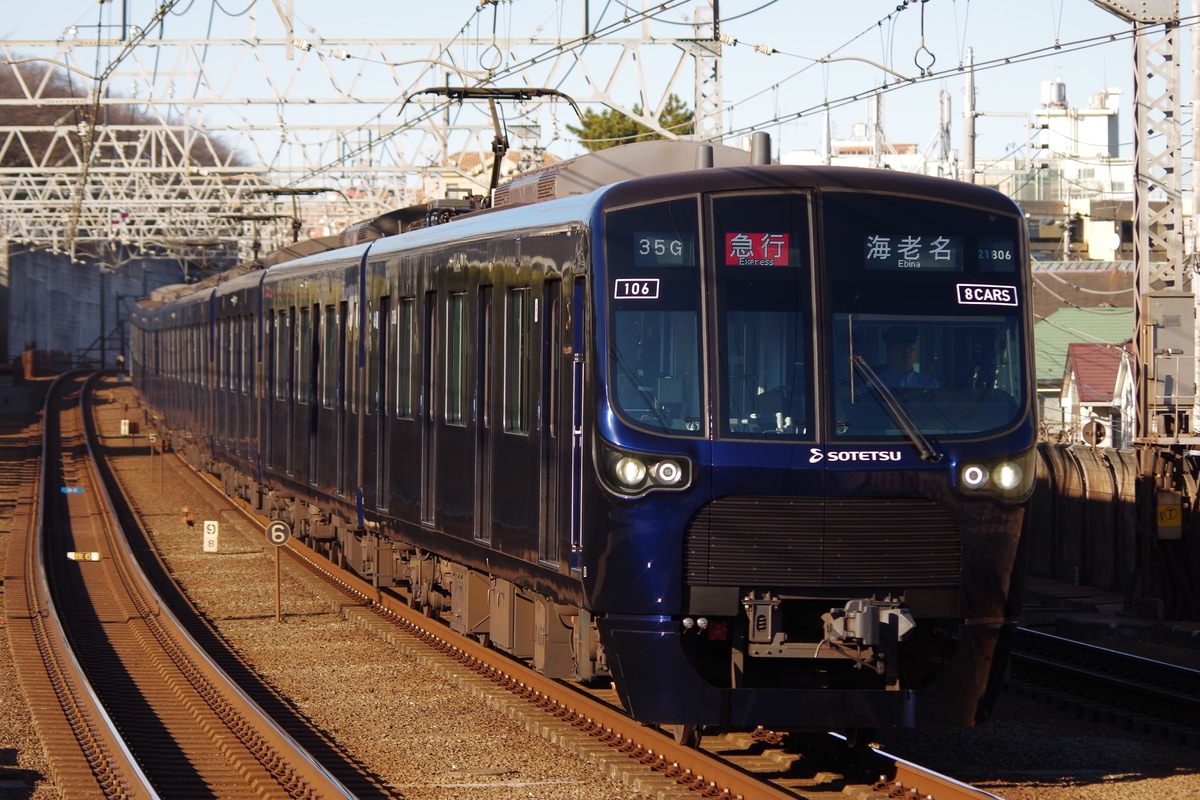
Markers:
456,360
248,351
404,357
377,345
222,353
283,352
328,358
304,356
269,370
204,339
229,375
238,353
517,361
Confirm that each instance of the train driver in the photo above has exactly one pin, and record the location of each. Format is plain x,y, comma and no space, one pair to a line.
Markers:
901,347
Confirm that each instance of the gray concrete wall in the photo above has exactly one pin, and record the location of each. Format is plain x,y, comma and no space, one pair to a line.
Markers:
80,308
4,297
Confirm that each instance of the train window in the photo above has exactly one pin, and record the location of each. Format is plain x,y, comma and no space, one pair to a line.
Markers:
654,300
248,355
517,358
763,290
270,371
328,358
484,363
404,357
283,352
348,342
456,360
376,344
221,354
237,361
930,337
305,339
232,353
204,365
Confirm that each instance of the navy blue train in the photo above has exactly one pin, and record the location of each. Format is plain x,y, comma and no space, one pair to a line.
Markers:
753,441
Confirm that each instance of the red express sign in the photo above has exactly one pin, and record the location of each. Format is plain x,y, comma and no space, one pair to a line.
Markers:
756,249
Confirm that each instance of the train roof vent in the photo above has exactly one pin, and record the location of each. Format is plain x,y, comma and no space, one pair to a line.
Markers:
588,172
374,228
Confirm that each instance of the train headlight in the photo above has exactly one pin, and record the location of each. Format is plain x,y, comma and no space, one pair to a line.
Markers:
631,474
974,477
667,473
1009,478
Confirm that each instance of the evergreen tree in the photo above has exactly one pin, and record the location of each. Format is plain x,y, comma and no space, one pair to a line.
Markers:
601,131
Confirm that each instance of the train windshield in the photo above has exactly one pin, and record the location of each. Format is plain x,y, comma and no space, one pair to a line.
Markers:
918,327
924,300
763,292
655,370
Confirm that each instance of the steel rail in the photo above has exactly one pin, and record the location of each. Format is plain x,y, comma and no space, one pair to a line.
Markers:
117,773
263,737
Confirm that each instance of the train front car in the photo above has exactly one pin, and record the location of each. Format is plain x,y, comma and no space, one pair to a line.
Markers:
814,439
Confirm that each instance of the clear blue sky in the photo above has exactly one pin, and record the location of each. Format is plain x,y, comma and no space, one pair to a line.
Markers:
758,88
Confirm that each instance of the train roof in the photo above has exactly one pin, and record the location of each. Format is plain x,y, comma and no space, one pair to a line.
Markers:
569,193
605,167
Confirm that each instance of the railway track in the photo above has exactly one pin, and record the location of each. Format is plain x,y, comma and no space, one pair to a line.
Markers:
1159,699
126,704
759,765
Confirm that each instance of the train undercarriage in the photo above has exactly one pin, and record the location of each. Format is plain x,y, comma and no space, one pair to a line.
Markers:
769,641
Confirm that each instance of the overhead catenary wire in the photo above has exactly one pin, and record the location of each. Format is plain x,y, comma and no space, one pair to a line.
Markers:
1056,49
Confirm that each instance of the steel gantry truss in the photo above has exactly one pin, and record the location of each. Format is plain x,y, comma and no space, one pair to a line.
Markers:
182,142
1164,334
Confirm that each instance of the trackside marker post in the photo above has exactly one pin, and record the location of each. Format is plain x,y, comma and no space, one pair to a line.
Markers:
212,532
278,534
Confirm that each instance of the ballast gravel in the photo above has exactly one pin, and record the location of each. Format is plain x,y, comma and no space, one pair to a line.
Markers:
428,739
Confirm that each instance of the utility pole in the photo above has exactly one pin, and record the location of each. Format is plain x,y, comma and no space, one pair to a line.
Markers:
969,120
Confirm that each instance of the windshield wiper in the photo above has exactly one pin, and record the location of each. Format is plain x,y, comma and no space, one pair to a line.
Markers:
896,410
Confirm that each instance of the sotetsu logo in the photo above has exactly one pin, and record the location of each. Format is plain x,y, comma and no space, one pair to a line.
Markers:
817,455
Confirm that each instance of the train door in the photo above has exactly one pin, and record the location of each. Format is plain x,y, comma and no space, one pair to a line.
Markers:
231,348
577,327
221,382
403,486
287,341
211,414
456,438
269,394
245,375
339,363
429,382
549,422
310,357
382,353
485,347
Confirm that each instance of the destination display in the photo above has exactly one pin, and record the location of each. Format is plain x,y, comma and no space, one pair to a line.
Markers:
651,249
915,252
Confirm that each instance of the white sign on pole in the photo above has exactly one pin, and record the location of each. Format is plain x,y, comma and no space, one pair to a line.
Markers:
211,532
